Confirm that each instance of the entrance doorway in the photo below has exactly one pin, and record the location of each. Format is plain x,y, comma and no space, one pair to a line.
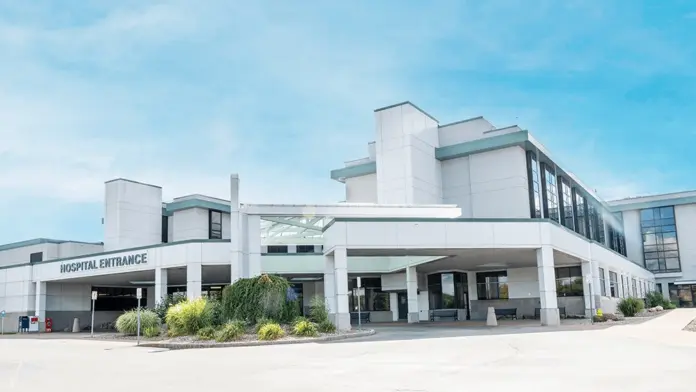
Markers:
402,300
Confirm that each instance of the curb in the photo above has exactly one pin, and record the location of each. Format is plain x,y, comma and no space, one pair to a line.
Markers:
184,346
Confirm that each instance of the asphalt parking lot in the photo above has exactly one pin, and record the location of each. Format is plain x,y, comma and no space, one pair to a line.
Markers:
652,356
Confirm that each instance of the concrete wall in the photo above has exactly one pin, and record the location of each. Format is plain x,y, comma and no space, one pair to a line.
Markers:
21,255
456,185
407,171
686,237
499,187
362,189
192,223
133,215
464,131
634,238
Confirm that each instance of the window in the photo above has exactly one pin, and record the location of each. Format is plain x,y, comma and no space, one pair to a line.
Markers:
374,299
447,290
534,187
36,257
580,214
660,245
596,223
617,241
567,218
277,249
658,287
215,227
305,249
165,229
602,282
118,298
613,284
569,282
550,193
635,288
492,285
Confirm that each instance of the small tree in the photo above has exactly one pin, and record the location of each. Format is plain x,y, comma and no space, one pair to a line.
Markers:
630,306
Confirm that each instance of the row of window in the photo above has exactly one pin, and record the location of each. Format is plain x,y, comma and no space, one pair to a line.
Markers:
557,199
619,289
660,246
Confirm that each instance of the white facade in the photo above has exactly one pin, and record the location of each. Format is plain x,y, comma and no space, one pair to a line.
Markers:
437,219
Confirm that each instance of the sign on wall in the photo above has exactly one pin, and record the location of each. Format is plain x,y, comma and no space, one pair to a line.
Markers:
109,262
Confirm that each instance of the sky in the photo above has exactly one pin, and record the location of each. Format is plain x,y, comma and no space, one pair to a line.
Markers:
182,93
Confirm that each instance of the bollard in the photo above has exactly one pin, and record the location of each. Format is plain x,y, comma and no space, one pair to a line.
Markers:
76,325
491,320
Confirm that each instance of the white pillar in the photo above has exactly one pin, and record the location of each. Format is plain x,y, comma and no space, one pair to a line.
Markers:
40,304
253,229
236,237
547,287
161,283
330,286
473,287
394,306
341,279
591,288
194,278
412,294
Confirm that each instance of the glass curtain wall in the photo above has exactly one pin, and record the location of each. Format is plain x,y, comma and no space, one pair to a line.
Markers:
447,290
660,245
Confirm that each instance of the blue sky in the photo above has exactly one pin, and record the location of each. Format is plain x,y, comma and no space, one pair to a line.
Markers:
182,93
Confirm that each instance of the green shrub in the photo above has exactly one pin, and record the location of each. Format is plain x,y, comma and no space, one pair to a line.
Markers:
232,330
188,317
166,303
305,328
318,311
214,309
655,298
261,322
255,298
670,305
152,331
207,333
326,326
299,319
271,331
292,309
630,306
127,323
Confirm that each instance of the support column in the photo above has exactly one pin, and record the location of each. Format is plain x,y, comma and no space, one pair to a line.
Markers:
161,282
253,230
194,280
394,306
592,290
40,304
412,294
236,237
330,287
473,288
547,287
341,277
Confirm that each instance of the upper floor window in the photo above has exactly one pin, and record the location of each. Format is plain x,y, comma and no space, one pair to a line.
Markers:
36,257
580,215
305,249
165,229
277,249
660,245
550,194
215,228
596,223
534,187
617,241
566,204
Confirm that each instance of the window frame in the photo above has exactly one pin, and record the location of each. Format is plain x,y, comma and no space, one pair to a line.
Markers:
214,228
485,281
569,274
613,284
536,208
659,248
602,282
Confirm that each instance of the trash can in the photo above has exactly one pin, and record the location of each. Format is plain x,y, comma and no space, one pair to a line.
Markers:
23,322
49,324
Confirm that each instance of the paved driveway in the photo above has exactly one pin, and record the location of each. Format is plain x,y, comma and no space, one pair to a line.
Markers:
653,356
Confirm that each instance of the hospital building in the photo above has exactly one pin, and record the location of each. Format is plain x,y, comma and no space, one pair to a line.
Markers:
440,221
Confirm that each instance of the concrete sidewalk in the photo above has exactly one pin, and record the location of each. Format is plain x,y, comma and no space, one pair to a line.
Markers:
666,329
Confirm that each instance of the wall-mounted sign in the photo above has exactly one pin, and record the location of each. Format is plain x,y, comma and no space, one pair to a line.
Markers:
109,262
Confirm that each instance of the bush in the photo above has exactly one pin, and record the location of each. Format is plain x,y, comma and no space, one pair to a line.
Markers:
670,305
261,322
326,326
305,328
232,330
127,323
207,333
214,309
299,319
188,317
654,299
255,298
167,302
630,306
318,311
271,331
152,331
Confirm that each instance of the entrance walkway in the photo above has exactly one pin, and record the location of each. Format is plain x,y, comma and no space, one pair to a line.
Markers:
667,329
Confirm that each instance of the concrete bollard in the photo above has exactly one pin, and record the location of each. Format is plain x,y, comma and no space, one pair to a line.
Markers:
76,325
491,320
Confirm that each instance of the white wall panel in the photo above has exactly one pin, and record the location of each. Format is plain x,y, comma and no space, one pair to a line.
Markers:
634,238
362,189
686,237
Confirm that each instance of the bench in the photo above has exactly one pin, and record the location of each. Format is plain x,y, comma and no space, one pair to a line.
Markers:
561,312
364,317
511,313
444,313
